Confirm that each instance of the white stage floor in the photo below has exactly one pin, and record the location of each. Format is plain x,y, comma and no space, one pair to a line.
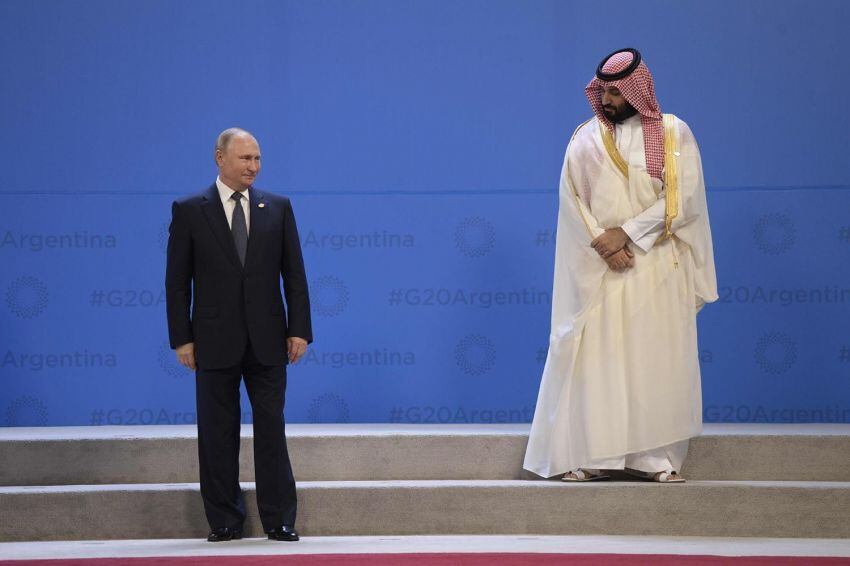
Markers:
433,544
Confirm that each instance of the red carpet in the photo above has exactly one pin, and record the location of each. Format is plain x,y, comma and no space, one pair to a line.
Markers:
453,559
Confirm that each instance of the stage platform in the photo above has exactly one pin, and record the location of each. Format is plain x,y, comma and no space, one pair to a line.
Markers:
630,549
86,483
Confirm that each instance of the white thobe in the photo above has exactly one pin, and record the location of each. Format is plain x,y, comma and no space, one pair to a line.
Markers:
621,387
643,230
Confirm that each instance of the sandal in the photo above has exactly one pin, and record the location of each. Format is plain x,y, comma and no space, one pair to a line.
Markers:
667,476
581,475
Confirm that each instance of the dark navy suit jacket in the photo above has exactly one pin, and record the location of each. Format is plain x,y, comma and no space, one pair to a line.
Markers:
231,304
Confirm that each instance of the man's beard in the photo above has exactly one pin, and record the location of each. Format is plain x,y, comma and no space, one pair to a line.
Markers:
620,115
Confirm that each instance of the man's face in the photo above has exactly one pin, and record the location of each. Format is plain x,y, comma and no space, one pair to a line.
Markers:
615,106
239,163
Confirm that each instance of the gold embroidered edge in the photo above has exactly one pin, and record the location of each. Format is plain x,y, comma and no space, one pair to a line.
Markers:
671,174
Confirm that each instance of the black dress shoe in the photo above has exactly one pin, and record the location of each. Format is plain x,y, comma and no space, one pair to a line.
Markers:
224,534
283,533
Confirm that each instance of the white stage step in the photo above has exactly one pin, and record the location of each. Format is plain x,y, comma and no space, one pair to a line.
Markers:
408,507
130,482
168,454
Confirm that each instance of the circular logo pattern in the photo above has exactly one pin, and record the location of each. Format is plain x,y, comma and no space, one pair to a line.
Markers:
475,354
475,236
775,352
328,295
328,408
26,297
26,411
168,362
774,233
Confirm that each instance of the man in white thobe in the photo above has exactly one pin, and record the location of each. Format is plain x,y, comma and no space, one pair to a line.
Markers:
633,265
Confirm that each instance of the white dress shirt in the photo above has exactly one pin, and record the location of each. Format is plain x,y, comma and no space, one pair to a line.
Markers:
225,192
645,228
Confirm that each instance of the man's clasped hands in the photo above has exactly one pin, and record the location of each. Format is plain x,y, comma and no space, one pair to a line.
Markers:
613,247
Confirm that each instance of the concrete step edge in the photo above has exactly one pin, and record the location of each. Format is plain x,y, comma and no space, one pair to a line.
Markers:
348,430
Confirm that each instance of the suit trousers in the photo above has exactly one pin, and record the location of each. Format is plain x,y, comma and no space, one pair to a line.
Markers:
219,416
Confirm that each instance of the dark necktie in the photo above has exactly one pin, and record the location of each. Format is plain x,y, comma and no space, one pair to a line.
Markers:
239,228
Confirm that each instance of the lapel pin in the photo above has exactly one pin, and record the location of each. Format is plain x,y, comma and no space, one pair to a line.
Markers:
261,205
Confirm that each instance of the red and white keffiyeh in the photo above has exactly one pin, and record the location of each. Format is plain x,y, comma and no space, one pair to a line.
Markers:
639,90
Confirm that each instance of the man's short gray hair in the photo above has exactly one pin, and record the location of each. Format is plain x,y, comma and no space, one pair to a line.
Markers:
223,139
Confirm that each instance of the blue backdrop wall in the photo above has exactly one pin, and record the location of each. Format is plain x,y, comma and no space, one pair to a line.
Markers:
420,142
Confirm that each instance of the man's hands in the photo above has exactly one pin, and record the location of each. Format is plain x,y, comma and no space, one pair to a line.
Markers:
612,241
295,348
612,246
186,355
621,260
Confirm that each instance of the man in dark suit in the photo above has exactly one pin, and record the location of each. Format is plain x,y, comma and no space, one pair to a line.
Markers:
227,250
